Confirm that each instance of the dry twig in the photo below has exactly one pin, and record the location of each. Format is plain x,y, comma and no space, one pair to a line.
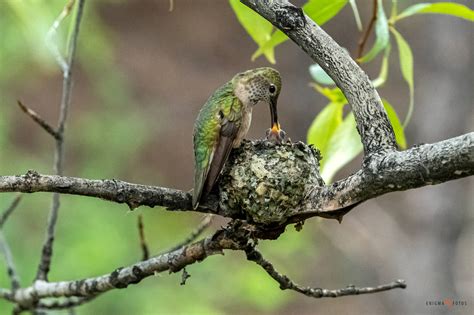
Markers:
40,121
370,26
4,216
286,283
141,233
47,250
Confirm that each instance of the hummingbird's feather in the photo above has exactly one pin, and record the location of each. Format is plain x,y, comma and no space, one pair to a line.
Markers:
214,134
222,150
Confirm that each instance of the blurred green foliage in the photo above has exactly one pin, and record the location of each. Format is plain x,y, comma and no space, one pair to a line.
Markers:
104,140
95,237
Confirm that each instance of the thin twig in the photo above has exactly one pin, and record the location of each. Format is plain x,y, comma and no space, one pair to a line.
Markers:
47,250
205,222
40,121
141,233
11,270
184,276
286,283
4,216
365,36
53,31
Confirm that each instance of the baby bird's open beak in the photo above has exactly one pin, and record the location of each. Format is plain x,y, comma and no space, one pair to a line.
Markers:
275,133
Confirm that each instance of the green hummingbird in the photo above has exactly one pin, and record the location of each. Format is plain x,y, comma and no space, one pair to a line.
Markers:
225,119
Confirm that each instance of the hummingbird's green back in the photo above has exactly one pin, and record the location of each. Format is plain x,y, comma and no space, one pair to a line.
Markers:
222,105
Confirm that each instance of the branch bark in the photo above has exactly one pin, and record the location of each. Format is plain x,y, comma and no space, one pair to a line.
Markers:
422,165
120,278
427,164
372,122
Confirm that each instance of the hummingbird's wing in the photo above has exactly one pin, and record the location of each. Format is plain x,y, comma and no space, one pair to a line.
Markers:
228,133
217,155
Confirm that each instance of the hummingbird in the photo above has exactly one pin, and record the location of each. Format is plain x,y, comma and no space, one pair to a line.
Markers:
224,120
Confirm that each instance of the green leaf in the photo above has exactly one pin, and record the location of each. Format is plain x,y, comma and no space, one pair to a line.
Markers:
382,78
323,127
334,95
320,11
454,9
319,75
382,36
256,26
396,125
268,47
406,66
342,148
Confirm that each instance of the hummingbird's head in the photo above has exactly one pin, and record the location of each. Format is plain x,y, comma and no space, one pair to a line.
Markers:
261,84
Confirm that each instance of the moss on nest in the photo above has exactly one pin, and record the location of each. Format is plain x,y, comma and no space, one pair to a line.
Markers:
266,181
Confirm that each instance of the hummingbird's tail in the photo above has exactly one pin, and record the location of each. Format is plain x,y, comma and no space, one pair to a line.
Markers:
198,188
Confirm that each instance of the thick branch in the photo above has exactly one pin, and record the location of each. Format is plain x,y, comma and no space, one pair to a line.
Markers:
122,277
134,195
422,165
372,121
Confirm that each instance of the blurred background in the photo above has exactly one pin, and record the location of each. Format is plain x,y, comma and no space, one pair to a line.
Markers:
141,76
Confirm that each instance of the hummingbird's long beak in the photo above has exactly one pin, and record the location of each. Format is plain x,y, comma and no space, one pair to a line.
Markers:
274,116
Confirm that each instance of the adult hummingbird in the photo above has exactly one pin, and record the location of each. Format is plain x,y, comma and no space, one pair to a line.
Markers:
225,119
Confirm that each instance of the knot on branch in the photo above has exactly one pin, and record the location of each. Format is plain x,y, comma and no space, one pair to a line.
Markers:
290,17
31,178
266,182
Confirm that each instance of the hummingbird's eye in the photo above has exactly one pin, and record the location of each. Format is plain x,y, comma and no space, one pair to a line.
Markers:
272,89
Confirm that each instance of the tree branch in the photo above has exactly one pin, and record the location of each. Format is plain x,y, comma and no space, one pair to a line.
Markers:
66,304
141,234
195,233
11,270
426,164
10,209
286,283
365,36
47,250
372,122
231,237
422,165
5,248
40,121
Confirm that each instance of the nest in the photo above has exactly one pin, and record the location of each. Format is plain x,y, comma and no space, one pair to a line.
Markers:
267,182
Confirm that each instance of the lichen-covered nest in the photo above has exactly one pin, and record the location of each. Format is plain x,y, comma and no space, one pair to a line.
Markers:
265,181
